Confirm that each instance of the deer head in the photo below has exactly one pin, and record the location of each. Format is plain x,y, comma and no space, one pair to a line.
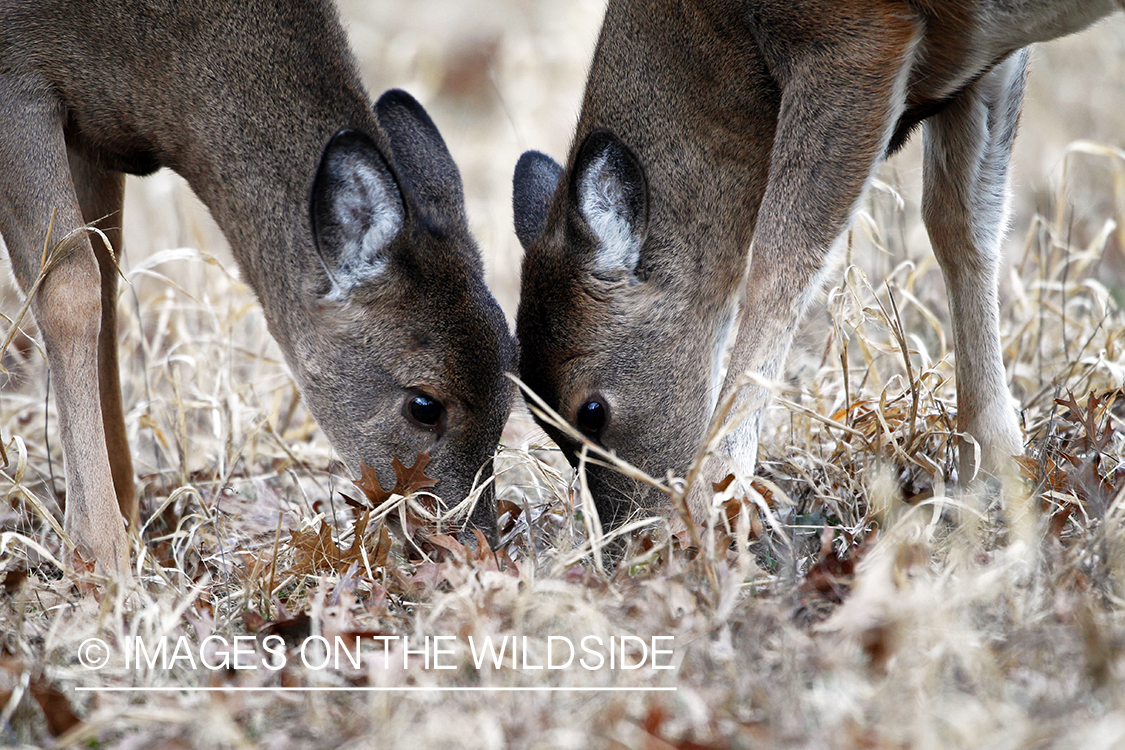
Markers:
405,350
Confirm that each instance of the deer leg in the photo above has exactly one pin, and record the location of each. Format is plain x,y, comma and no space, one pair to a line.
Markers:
36,186
101,194
840,104
965,206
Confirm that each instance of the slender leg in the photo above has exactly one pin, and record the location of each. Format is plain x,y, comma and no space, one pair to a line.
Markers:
840,101
35,185
101,194
964,206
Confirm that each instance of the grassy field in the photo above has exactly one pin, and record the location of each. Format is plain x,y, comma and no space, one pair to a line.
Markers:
859,601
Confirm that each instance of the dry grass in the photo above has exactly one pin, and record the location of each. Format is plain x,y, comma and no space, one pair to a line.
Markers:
858,601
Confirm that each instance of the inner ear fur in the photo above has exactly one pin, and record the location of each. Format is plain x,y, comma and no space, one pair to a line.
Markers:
610,191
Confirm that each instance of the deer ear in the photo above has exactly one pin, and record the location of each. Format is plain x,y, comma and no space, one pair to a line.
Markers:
608,187
357,211
424,162
534,183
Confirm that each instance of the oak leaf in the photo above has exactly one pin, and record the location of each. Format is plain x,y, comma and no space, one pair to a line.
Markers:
317,552
408,479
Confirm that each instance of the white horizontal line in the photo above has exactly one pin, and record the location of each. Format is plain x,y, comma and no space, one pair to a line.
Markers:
405,689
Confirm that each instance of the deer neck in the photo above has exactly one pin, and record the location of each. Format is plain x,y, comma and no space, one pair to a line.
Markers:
254,169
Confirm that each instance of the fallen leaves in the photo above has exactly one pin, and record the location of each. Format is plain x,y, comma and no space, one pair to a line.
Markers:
656,735
56,706
415,558
409,480
833,572
317,552
57,711
14,580
733,506
1074,477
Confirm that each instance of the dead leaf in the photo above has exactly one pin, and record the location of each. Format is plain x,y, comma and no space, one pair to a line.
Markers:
721,485
317,552
369,483
832,574
382,548
253,621
13,579
444,547
56,707
428,575
412,479
293,630
409,480
507,514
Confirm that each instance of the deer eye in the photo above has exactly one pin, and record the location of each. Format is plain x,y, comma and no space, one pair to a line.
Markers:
592,417
425,411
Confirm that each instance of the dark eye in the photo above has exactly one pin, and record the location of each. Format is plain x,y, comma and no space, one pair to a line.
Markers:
592,416
425,410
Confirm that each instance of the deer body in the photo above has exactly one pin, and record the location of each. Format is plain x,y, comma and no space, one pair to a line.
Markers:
347,222
710,123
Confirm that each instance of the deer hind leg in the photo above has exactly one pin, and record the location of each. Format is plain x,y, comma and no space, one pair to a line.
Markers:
964,206
36,186
101,194
839,106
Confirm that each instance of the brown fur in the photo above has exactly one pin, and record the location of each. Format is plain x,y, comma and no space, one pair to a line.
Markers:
762,120
242,98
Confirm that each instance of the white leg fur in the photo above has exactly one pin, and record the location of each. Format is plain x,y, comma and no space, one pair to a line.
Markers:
965,207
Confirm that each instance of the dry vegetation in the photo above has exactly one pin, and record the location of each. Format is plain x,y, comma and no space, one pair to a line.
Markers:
858,601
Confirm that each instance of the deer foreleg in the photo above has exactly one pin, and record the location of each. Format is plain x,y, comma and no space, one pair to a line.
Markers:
840,103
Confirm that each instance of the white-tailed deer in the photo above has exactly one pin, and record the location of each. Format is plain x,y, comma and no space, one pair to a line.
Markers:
347,222
708,123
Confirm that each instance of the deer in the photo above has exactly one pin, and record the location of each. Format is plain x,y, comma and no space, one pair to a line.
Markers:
724,146
346,219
